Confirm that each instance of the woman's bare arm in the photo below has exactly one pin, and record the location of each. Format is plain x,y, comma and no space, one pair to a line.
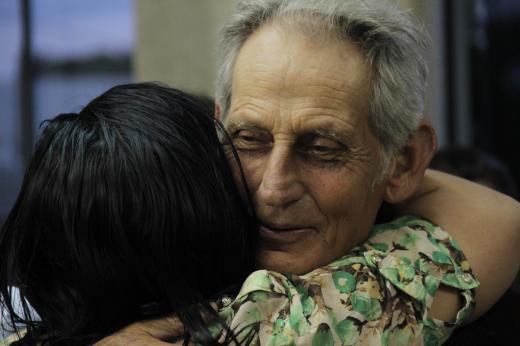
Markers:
485,223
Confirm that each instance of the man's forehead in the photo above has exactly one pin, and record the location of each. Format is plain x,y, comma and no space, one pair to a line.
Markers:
273,46
305,106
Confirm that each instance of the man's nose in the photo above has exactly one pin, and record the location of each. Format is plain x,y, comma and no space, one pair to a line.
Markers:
280,186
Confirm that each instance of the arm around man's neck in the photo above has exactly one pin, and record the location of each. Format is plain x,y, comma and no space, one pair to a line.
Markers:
485,223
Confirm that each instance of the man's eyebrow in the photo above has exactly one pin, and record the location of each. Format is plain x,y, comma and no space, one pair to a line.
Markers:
243,125
328,133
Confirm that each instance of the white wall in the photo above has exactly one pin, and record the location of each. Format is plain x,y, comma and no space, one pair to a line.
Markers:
176,41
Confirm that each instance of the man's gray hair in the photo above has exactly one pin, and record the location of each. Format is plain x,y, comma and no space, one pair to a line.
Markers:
394,45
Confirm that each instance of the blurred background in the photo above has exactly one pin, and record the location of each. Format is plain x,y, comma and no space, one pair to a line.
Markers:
56,55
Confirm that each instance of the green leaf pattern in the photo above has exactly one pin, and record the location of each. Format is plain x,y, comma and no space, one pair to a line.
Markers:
378,294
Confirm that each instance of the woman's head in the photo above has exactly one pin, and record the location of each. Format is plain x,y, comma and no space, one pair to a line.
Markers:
127,209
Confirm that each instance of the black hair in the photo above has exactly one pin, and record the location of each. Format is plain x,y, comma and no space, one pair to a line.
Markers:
128,210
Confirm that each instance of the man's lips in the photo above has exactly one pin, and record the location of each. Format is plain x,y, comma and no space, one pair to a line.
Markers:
284,233
283,227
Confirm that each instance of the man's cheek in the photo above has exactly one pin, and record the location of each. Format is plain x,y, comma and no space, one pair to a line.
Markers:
332,189
239,173
252,169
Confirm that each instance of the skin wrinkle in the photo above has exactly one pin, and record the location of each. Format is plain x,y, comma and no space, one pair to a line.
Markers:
355,140
312,110
314,45
355,151
331,135
251,108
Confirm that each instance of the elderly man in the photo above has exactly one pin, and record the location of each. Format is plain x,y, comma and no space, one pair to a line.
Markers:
324,102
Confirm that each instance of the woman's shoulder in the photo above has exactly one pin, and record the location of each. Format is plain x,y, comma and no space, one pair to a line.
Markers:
379,293
392,278
413,255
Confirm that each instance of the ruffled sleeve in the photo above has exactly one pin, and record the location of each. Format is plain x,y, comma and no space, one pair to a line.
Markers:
378,294
414,257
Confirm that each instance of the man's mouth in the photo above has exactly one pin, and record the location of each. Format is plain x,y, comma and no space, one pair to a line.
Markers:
284,233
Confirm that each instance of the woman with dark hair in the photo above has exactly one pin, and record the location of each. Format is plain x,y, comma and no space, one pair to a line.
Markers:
128,211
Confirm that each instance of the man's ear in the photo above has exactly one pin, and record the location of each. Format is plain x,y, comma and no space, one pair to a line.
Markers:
218,112
408,167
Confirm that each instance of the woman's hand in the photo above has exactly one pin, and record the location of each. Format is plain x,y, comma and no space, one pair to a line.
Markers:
156,332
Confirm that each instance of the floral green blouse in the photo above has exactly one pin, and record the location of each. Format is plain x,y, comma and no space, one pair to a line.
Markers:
378,294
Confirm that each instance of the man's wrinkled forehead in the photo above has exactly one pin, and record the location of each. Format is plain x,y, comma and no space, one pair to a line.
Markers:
276,69
253,65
